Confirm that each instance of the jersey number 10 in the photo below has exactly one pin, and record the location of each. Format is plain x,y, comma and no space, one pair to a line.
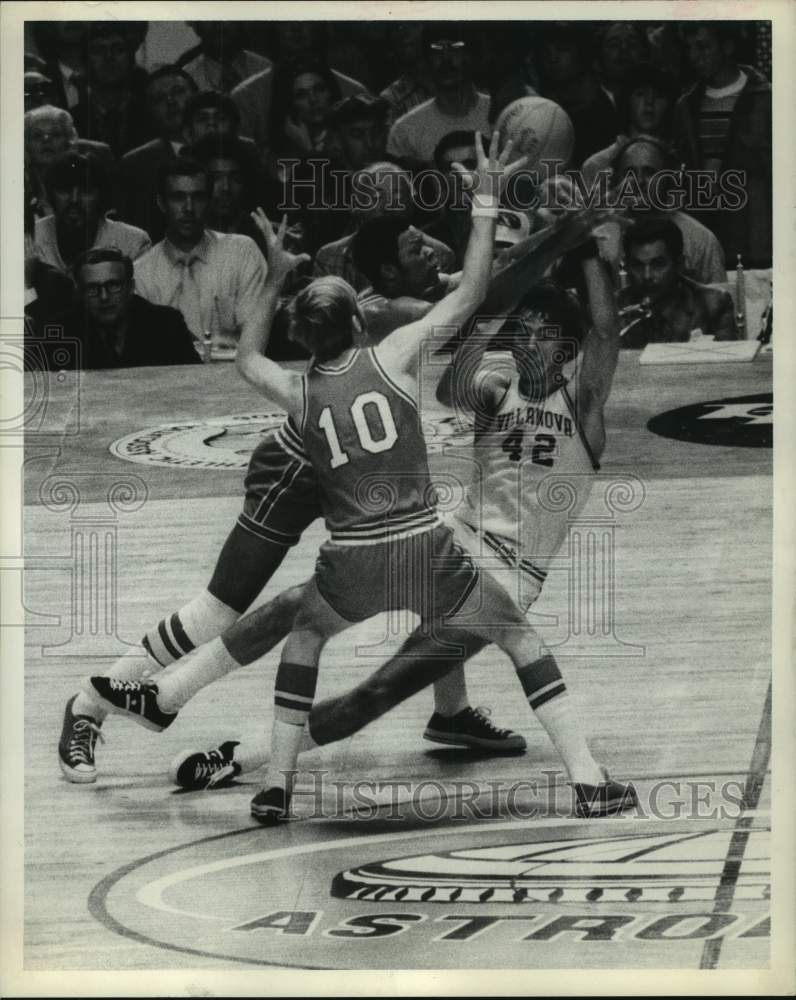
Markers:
366,439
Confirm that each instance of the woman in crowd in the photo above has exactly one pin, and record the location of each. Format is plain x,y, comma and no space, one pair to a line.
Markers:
303,94
50,132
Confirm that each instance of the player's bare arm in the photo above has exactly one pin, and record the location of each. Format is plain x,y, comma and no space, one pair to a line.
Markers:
464,381
278,384
600,352
400,351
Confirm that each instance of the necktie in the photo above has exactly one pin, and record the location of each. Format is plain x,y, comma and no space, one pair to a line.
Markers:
186,297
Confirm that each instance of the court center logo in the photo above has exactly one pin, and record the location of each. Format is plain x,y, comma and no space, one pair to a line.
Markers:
738,421
510,894
661,868
226,442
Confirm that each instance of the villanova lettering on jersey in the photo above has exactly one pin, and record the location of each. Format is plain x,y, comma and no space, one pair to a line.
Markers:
534,416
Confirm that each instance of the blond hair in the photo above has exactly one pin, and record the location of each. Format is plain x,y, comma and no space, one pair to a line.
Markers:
60,117
322,316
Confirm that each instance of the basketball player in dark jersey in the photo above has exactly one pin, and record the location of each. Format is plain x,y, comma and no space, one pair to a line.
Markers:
533,422
356,413
281,501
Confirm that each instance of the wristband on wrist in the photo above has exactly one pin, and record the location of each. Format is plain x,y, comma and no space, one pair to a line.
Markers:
485,205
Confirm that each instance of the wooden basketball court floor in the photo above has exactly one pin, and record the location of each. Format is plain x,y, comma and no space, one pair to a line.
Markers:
671,681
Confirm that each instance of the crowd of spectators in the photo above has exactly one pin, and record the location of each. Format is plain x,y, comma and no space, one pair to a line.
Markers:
139,244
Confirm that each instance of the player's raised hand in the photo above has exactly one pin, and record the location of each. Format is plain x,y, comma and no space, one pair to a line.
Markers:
280,260
493,170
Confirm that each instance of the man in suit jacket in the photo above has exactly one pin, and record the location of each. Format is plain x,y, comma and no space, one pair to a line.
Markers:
117,328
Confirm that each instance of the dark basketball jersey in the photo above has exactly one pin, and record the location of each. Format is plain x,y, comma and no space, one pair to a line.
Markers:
362,434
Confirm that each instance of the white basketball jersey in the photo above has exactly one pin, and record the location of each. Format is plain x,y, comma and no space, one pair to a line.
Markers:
533,471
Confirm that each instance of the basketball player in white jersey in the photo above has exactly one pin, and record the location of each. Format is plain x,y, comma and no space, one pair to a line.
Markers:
393,370
534,427
281,501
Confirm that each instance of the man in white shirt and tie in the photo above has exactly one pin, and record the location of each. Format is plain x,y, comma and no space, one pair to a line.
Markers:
215,279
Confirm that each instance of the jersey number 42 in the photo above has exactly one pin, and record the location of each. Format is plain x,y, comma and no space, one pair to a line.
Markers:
544,446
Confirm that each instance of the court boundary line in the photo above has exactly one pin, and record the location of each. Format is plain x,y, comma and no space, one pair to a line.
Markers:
731,870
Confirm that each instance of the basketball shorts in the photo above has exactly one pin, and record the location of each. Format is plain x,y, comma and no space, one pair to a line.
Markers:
427,573
497,558
281,501
282,497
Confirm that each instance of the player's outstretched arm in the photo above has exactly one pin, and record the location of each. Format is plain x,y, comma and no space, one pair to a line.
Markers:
279,384
600,351
457,387
401,350
601,348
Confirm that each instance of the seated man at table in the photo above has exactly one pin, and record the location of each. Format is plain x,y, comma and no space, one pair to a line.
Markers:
117,328
660,305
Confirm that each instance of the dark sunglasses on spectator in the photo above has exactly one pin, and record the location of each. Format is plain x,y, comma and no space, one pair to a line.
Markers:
446,44
93,289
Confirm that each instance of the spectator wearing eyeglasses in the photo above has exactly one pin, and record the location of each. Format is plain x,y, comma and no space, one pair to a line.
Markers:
79,190
49,133
117,328
456,105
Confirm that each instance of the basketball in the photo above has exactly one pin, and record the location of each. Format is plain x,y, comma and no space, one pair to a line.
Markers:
541,130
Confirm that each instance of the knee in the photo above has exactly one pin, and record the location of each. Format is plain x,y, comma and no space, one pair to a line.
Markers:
305,639
289,602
